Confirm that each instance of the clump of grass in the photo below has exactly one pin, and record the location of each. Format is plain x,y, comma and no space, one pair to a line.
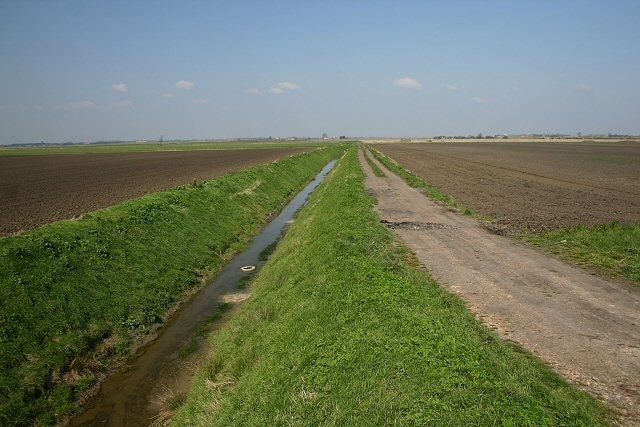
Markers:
69,287
169,401
415,181
611,248
340,331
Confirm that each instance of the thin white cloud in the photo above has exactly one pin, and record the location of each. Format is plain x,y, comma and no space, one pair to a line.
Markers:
123,104
281,87
481,100
168,95
81,105
185,84
200,101
119,87
254,91
451,87
516,88
408,83
583,87
288,86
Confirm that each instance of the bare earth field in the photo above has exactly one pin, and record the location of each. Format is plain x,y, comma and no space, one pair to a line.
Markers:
532,186
584,327
35,190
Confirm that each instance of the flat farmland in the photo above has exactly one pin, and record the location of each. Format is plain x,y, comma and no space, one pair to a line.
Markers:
35,190
532,186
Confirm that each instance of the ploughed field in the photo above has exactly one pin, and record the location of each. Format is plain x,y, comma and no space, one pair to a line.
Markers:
35,190
532,186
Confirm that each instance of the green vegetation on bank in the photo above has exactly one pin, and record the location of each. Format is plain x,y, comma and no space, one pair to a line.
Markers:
612,248
415,181
340,330
155,146
75,293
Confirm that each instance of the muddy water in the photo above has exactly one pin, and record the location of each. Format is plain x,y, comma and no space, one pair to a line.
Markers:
126,398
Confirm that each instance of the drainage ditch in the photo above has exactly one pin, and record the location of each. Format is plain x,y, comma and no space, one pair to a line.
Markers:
128,397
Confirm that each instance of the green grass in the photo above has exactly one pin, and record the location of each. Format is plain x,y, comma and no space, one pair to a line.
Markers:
154,146
75,293
611,248
374,167
341,331
415,181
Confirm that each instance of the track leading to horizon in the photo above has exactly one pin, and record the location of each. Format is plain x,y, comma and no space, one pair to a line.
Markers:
583,326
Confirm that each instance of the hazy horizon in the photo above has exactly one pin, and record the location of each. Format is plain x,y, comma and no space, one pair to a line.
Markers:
100,71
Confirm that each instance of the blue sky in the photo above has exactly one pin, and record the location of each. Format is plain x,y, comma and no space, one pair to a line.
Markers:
106,70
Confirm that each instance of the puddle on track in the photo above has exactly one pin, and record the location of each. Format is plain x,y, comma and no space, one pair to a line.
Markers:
126,397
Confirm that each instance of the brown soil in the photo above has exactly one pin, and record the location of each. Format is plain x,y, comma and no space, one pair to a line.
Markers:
585,327
35,190
533,186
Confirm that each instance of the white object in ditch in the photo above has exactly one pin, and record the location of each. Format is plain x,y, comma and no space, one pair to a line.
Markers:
248,268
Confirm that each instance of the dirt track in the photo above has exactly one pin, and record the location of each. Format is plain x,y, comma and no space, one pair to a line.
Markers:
586,328
36,190
533,186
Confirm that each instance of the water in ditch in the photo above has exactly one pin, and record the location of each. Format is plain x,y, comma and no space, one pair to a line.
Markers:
126,398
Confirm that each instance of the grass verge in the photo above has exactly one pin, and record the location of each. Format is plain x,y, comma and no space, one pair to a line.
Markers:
75,293
341,331
415,181
611,248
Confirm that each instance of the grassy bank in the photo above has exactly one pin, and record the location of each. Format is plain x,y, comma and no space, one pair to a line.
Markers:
415,181
611,248
75,293
341,331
